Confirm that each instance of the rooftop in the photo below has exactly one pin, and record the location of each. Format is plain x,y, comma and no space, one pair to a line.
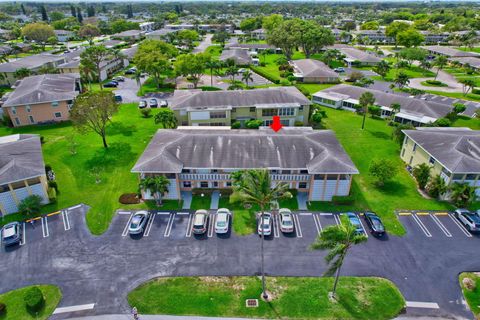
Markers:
313,68
450,52
30,62
240,56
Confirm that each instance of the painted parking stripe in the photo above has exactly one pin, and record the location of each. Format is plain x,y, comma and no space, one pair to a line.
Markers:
420,304
363,227
441,213
464,230
441,226
422,226
318,225
124,212
66,222
163,213
182,213
82,307
326,214
188,234
276,223
45,231
337,219
168,229
75,207
24,239
298,227
211,225
125,229
305,213
423,213
404,213
149,225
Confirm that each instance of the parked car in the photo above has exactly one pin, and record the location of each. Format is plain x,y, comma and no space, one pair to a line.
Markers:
223,220
138,222
11,234
286,220
339,69
355,221
111,84
265,226
119,79
142,104
163,103
153,103
200,221
471,220
131,71
375,224
118,98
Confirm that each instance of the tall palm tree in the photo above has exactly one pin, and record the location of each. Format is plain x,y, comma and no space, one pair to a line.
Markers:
425,65
247,76
232,71
157,186
338,239
212,65
395,108
255,187
22,73
88,72
138,78
366,100
402,79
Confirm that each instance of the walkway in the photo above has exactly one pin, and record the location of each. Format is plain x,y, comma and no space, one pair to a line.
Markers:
187,199
302,198
215,199
204,44
443,76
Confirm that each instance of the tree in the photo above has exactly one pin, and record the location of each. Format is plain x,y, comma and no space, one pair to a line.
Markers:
87,73
43,12
138,79
312,37
437,187
153,57
442,122
338,240
221,37
73,11
421,173
212,65
192,65
462,194
285,36
395,107
30,205
329,55
121,25
382,68
440,62
366,100
375,111
157,186
250,24
79,15
232,71
38,32
166,118
89,31
247,76
95,56
413,54
459,107
92,112
410,38
91,11
256,188
22,73
382,170
271,22
370,25
187,38
401,80
397,133
56,16
467,85
394,28
425,65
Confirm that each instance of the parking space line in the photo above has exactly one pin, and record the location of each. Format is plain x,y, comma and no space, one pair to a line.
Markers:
363,227
169,225
423,213
421,225
404,213
124,212
441,226
66,222
125,230
318,225
211,224
149,225
464,230
297,226
337,219
24,237
325,214
420,304
45,227
441,213
164,213
305,213
75,207
276,223
188,234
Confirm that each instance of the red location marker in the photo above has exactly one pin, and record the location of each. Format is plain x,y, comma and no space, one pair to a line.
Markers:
276,125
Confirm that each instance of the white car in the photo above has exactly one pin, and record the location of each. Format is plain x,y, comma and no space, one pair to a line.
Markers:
265,226
223,220
286,220
138,222
471,220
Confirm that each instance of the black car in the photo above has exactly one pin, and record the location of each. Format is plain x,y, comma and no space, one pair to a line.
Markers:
11,234
131,71
111,84
375,224
118,98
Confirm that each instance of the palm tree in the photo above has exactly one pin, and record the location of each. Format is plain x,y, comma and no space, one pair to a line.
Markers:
440,63
402,79
255,187
437,187
382,68
22,73
462,194
421,173
212,65
247,76
425,65
366,99
338,239
138,78
157,186
467,85
329,56
88,72
232,71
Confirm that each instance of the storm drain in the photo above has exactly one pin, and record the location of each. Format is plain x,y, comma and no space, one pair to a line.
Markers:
251,303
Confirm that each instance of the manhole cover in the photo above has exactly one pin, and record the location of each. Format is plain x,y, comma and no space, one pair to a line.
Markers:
251,303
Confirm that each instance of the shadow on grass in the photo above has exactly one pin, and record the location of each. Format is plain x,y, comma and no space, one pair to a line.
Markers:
106,159
392,188
116,128
380,135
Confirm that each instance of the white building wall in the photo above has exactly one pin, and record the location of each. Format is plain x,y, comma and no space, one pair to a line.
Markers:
8,202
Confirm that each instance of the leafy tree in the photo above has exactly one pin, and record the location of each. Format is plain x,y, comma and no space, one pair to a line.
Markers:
317,115
95,56
397,133
370,25
382,68
247,76
271,22
413,54
253,123
437,187
56,15
30,205
462,194
154,56
312,37
166,117
192,65
395,107
459,108
366,100
22,73
256,188
425,65
92,111
349,26
442,122
285,36
382,170
121,25
91,11
38,32
421,173
89,31
187,37
355,76
69,23
157,186
330,55
402,79
394,28
364,82
338,240
87,73
410,38
467,85
375,111
440,62
250,24
221,37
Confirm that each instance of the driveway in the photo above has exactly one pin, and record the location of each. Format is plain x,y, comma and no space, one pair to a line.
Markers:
95,273
445,77
204,44
128,90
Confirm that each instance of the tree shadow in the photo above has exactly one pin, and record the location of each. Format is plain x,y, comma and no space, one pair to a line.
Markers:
380,135
392,188
105,159
116,128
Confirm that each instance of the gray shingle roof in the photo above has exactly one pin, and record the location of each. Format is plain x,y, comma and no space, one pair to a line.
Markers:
20,157
314,68
30,62
356,54
240,56
317,151
43,88
249,46
183,99
450,52
457,149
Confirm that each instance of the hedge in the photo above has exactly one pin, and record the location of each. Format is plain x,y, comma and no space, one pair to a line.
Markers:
34,299
264,74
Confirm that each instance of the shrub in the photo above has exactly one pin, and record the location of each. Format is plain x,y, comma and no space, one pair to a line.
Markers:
42,139
30,205
254,123
236,125
52,195
3,308
434,82
208,88
469,284
53,184
442,122
298,124
129,198
34,299
343,200
382,170
146,112
7,121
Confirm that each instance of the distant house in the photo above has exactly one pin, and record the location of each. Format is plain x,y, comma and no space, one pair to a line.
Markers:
129,35
63,35
435,37
42,99
452,153
160,34
111,44
354,56
375,36
253,47
449,52
413,111
22,171
107,68
473,62
5,34
32,63
130,52
201,27
240,56
259,34
147,26
313,71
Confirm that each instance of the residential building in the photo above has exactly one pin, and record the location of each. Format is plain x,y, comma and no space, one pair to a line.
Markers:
201,27
22,171
221,108
435,37
473,62
160,34
107,68
147,26
240,56
313,71
449,52
472,106
42,99
356,57
253,47
310,161
452,153
129,35
63,35
414,111
32,63
259,34
375,36
340,35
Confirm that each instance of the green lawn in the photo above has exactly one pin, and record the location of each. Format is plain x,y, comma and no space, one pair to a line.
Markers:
375,143
313,87
150,86
458,95
290,203
214,51
244,220
199,202
127,135
472,123
295,298
16,309
472,296
475,49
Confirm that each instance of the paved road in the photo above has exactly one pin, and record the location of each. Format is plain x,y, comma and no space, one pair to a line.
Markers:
101,270
443,76
128,90
204,44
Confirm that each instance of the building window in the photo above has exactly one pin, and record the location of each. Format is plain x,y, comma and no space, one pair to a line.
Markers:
58,114
229,184
28,108
285,123
471,177
302,185
300,108
218,115
185,170
14,110
332,177
269,112
303,171
215,184
414,147
187,184
431,160
458,177
266,123
286,171
204,184
214,170
252,109
54,103
17,121
31,119
286,111
403,152
234,109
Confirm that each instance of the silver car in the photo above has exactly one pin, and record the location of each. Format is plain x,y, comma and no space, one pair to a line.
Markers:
223,220
138,222
265,226
286,220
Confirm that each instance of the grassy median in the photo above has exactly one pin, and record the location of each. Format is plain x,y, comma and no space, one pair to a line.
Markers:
471,291
295,298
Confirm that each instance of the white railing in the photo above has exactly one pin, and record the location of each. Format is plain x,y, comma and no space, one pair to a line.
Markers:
205,177
290,177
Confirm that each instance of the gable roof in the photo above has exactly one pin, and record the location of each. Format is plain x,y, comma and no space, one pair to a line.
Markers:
450,52
356,54
20,157
240,56
43,88
317,151
183,99
457,149
313,68
30,62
